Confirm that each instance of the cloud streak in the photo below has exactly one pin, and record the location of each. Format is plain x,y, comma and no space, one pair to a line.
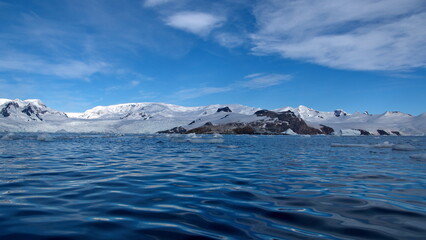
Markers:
154,3
200,92
356,35
252,82
261,80
70,69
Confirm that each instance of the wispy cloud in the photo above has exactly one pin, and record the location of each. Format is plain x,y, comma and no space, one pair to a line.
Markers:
136,77
229,40
154,3
346,34
199,92
252,82
123,86
72,69
262,80
199,23
134,83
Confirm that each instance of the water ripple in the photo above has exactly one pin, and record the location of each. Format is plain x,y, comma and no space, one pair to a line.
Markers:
263,187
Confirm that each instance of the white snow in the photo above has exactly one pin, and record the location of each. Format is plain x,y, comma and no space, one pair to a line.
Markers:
405,124
153,117
158,110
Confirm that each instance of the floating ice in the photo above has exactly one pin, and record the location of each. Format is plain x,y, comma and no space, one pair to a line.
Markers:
349,145
9,136
349,132
421,156
194,138
206,140
178,138
289,132
227,146
383,145
44,137
380,145
193,135
403,147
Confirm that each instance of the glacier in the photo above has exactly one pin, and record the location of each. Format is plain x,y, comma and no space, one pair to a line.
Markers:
33,115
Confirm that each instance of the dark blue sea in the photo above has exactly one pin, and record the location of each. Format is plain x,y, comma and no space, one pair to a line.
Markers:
69,186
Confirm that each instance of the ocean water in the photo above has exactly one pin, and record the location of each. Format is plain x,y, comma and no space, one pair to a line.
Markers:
68,186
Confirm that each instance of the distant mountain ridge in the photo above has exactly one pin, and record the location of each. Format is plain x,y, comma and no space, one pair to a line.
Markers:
28,110
33,115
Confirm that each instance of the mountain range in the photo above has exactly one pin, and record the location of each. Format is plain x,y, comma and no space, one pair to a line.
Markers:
33,115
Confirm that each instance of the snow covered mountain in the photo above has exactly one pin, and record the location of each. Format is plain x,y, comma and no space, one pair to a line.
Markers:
28,110
33,116
147,111
389,122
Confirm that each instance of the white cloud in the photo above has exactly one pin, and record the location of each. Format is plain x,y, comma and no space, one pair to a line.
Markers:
66,69
154,3
229,40
253,75
252,81
200,92
122,86
345,34
198,23
134,83
261,80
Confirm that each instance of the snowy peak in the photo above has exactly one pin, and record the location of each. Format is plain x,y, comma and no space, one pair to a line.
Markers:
340,112
27,110
306,113
396,114
33,115
36,102
157,111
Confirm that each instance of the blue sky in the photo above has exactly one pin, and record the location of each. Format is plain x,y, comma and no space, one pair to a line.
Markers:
77,54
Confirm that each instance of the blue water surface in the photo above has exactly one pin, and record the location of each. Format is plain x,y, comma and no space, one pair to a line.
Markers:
70,186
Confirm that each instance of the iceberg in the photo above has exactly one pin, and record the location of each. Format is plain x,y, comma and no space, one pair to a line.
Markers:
403,147
421,156
380,145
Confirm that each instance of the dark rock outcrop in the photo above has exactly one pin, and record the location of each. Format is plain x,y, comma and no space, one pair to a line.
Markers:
364,132
203,130
339,112
180,130
230,128
382,132
274,123
326,130
245,130
142,115
5,112
266,113
396,133
30,111
224,109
